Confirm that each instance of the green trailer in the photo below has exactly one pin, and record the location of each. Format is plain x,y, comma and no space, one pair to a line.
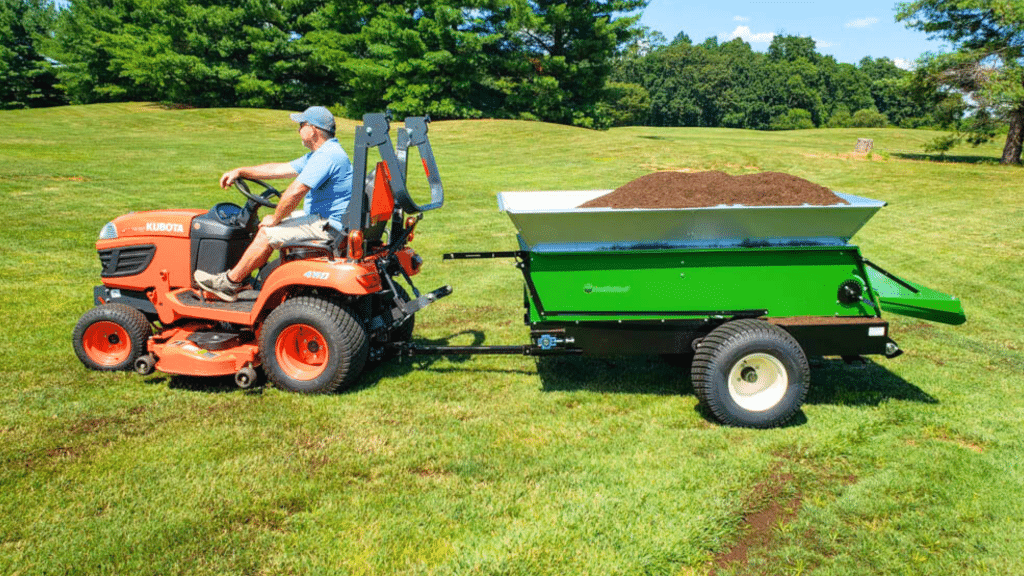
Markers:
745,294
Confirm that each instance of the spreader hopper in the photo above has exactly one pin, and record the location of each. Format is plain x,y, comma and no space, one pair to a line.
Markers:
553,221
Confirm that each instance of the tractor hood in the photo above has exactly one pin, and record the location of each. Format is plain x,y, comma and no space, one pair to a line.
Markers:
170,223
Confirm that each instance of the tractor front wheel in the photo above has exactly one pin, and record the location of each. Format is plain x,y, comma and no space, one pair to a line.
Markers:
111,337
312,345
750,373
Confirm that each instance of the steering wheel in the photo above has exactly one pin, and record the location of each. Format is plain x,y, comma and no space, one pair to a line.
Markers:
263,199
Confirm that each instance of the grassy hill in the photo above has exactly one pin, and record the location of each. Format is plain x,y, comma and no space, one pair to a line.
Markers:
505,465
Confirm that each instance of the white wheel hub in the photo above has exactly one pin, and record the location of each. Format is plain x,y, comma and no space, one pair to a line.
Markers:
758,382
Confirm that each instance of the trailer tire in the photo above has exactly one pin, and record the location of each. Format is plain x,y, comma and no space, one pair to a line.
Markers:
312,345
111,337
751,374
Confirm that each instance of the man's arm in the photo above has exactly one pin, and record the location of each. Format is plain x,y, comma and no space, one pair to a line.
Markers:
290,199
271,171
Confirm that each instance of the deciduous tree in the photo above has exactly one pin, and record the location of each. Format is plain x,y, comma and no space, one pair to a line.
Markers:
987,61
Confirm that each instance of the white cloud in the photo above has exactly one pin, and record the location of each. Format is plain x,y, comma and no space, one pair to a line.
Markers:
740,19
904,63
862,22
748,36
823,44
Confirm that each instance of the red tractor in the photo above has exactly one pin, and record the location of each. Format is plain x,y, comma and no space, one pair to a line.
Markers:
311,318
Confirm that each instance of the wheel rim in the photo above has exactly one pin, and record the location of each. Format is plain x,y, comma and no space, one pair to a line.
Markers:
302,352
107,343
758,382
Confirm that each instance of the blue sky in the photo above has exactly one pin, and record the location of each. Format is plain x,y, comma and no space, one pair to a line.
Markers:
847,30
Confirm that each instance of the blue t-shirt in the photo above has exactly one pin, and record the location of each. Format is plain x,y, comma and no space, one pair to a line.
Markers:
328,173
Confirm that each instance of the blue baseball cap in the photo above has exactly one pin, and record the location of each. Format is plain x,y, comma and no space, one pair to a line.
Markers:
317,116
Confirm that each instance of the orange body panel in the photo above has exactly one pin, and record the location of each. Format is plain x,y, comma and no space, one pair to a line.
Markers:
351,277
407,258
177,355
357,278
168,231
383,203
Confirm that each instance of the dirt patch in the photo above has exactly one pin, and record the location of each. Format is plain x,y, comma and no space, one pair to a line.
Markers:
715,188
68,452
93,425
773,504
773,508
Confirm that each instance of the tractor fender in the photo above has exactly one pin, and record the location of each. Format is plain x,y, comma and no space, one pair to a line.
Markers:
352,278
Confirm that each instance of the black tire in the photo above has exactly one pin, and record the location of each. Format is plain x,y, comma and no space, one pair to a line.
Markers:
111,337
313,346
750,373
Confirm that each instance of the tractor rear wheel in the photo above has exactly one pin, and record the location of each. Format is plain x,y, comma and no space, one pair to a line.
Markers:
312,345
750,373
111,337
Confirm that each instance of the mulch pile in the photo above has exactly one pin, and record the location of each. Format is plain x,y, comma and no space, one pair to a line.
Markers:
715,188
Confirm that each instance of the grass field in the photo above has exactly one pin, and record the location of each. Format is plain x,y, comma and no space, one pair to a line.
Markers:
505,465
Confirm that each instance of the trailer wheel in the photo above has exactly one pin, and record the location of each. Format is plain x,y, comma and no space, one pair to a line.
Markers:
312,345
750,373
111,337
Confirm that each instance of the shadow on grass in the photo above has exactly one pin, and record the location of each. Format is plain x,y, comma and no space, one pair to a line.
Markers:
373,373
833,381
959,159
620,374
868,384
396,367
207,384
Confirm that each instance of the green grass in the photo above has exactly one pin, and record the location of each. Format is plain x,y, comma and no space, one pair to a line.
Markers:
503,465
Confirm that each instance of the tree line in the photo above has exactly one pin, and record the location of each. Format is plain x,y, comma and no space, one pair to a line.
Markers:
580,62
541,59
790,86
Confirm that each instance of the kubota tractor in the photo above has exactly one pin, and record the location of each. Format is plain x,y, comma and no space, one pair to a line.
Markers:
311,318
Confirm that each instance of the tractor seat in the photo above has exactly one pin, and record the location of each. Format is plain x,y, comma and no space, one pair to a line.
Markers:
335,246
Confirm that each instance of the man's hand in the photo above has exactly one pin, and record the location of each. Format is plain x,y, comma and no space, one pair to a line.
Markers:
268,221
229,177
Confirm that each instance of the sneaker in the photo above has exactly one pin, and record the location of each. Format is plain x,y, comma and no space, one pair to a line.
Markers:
218,284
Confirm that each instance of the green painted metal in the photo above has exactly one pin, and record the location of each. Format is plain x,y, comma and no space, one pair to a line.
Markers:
911,299
675,283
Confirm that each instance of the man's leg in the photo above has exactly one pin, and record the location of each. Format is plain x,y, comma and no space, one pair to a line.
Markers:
227,284
255,255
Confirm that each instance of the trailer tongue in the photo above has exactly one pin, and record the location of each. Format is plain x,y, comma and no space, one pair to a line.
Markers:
749,292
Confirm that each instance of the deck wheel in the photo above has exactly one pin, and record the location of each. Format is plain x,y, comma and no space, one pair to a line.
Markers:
313,345
111,337
750,373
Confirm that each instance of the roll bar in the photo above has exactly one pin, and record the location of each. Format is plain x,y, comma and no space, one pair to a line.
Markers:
374,132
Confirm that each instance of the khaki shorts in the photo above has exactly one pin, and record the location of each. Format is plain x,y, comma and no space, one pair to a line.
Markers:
297,229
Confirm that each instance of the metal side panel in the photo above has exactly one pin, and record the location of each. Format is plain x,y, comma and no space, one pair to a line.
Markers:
908,298
693,283
551,221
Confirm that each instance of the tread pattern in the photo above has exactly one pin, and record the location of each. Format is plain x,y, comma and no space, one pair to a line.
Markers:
132,320
346,336
709,375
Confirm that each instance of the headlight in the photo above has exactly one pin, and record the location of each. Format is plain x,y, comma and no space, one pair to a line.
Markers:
108,232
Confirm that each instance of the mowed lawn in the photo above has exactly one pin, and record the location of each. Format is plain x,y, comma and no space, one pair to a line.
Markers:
505,465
